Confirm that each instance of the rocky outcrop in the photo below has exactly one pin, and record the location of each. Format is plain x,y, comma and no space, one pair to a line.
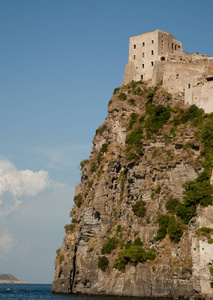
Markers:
119,174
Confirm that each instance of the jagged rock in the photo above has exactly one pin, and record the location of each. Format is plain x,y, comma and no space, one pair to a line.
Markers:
111,184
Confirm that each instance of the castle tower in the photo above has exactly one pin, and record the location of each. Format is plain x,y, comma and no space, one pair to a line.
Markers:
145,50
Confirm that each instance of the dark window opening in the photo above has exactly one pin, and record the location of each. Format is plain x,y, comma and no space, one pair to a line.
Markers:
134,46
143,66
143,44
152,41
141,77
162,58
152,63
175,47
209,78
134,57
172,46
143,54
189,86
152,52
179,48
177,76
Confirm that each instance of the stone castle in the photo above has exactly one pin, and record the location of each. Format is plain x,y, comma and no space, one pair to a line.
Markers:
156,57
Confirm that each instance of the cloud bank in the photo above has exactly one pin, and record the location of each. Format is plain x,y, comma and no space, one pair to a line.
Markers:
15,184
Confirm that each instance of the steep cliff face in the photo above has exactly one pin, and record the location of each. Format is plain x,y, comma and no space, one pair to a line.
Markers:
135,227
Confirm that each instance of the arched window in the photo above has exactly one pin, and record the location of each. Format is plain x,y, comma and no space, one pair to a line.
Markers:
162,58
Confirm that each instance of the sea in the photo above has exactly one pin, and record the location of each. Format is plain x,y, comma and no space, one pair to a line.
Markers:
43,292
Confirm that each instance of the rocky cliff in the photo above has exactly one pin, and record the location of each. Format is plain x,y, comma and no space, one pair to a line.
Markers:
143,216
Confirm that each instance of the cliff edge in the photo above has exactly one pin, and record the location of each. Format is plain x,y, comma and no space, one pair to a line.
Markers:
142,223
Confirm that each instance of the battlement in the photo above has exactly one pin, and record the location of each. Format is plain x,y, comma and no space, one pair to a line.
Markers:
156,57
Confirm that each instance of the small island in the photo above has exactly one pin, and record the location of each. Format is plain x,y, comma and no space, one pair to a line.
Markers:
8,278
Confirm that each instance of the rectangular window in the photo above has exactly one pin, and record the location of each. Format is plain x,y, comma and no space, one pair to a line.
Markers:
143,44
177,76
143,66
143,54
189,86
134,46
152,63
152,52
141,77
152,41
134,57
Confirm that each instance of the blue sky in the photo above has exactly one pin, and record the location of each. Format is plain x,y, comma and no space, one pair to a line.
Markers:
59,63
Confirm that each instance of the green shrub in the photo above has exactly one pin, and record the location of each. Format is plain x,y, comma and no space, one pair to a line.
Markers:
83,163
211,270
101,129
210,241
152,195
116,90
69,227
131,101
173,131
206,231
154,153
122,96
198,191
58,251
139,208
207,136
133,84
134,253
175,232
168,224
91,249
176,120
119,228
103,263
78,200
93,167
171,204
134,140
161,233
159,115
193,114
186,213
150,96
132,156
61,258
158,189
121,244
133,119
109,245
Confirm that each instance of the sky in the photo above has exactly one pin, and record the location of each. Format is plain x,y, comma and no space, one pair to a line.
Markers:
60,61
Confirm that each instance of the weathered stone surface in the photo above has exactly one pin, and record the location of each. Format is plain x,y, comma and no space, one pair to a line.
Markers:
111,185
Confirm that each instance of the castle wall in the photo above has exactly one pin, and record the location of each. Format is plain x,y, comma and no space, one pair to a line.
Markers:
157,57
178,77
145,50
201,95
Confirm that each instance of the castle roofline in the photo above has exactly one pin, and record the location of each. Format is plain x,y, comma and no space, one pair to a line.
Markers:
152,31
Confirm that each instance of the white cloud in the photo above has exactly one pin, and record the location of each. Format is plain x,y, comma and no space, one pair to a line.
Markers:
15,184
6,242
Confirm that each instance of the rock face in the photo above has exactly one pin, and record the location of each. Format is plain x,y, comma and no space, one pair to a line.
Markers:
123,171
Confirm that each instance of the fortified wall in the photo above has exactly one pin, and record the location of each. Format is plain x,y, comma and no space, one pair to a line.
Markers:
156,57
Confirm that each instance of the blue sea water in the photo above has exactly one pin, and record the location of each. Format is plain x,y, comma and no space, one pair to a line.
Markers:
43,292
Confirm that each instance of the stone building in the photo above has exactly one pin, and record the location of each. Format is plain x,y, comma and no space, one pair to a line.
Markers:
156,57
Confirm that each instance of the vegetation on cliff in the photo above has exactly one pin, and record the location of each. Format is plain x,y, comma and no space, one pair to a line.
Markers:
128,182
